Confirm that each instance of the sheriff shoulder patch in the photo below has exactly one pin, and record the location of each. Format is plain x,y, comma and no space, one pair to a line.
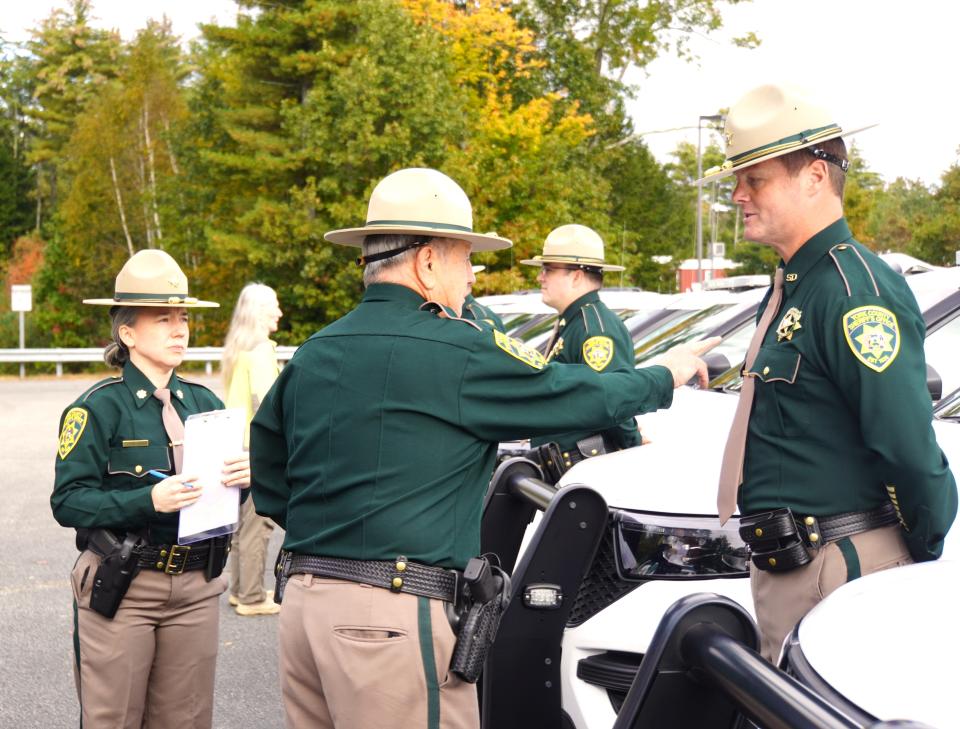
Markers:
873,335
519,350
597,352
73,425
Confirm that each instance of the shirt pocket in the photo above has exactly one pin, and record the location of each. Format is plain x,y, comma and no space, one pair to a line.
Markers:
137,461
777,404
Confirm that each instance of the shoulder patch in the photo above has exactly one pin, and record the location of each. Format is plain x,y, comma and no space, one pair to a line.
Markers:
517,349
873,336
73,424
597,352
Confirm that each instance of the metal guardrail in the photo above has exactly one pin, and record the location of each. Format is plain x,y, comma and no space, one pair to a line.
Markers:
95,354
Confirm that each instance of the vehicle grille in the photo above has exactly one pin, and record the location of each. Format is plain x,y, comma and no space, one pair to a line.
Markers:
601,587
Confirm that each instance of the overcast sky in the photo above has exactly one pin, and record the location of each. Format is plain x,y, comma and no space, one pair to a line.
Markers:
870,61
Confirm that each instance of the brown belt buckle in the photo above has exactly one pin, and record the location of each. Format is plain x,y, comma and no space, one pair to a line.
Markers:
176,550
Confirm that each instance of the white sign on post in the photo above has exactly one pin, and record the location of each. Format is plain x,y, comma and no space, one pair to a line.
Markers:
21,297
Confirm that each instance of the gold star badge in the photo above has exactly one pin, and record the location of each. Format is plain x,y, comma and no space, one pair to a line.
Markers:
789,324
141,394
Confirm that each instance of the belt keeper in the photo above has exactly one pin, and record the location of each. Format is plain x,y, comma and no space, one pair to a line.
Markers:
810,527
400,567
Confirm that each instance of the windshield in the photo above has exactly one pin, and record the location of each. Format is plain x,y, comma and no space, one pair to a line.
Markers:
684,327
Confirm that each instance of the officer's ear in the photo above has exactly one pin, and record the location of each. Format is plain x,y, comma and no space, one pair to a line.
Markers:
426,265
816,175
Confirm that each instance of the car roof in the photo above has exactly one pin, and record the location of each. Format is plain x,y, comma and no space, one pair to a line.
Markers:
887,642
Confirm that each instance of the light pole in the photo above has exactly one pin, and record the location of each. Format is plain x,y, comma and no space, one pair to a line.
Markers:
699,246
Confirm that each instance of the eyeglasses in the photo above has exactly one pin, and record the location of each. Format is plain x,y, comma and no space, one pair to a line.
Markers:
548,267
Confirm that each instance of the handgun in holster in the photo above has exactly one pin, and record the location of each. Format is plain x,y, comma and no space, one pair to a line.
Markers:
281,571
486,594
118,566
217,557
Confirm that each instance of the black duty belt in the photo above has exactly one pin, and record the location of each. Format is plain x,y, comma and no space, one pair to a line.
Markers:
779,540
173,559
555,461
397,576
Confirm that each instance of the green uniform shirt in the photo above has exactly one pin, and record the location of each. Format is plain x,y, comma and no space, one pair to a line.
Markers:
473,309
841,415
109,438
379,437
589,333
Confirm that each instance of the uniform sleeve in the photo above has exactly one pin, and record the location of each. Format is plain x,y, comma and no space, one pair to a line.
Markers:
875,345
508,392
79,499
268,451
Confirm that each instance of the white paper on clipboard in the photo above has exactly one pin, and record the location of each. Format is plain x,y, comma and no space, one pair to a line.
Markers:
208,440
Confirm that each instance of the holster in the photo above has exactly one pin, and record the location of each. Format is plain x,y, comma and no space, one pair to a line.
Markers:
117,569
775,542
485,596
217,559
281,571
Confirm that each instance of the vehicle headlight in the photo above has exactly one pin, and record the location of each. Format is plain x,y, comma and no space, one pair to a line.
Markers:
668,547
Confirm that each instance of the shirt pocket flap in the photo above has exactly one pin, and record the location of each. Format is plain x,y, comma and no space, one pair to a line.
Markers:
137,461
775,364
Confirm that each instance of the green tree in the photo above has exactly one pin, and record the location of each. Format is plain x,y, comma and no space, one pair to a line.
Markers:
16,177
860,193
898,211
937,239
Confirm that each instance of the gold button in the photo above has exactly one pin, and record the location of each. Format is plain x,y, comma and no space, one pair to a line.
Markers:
593,452
766,371
814,537
397,583
163,553
138,468
841,248
758,531
566,455
401,566
772,561
568,464
809,521
159,565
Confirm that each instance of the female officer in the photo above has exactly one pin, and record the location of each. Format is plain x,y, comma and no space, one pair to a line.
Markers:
249,369
151,663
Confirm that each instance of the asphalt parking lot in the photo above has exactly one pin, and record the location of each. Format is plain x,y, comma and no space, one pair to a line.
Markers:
36,554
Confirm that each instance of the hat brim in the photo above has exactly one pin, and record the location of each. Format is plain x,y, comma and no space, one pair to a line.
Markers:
540,260
718,173
478,241
194,304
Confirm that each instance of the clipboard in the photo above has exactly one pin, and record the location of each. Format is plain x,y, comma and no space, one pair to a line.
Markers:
208,440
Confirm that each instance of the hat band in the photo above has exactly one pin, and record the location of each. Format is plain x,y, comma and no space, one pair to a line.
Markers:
573,259
419,224
154,298
795,140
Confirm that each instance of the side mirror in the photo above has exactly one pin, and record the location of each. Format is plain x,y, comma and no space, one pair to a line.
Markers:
934,383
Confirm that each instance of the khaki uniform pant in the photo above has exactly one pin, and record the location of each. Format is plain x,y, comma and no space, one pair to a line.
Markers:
248,554
781,599
152,666
354,656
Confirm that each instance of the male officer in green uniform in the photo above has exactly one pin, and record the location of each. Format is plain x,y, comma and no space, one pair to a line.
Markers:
473,309
374,450
838,468
571,275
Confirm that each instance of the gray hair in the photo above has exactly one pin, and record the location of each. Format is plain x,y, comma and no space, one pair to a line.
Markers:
373,244
116,353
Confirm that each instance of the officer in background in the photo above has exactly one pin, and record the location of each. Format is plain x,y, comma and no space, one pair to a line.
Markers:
374,450
473,309
146,609
838,468
571,275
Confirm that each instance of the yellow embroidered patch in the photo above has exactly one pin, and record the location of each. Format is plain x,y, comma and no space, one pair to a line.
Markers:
597,352
516,348
873,336
73,425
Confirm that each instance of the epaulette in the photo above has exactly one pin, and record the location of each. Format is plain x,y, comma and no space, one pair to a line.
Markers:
194,383
587,317
444,313
854,270
100,385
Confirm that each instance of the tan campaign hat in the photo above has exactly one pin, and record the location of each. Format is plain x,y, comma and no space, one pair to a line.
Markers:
478,269
771,121
576,245
151,278
419,200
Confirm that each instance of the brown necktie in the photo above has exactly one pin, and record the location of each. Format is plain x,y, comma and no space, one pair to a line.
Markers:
173,425
731,472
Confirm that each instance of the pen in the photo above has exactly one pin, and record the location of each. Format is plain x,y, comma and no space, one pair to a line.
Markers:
162,476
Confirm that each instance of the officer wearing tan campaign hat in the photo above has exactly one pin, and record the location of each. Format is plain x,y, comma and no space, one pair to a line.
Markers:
145,607
473,309
374,449
587,332
831,455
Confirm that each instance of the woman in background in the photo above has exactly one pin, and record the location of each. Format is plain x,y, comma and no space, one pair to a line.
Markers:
249,369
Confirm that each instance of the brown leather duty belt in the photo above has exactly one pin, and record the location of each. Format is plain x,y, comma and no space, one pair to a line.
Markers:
779,540
400,575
